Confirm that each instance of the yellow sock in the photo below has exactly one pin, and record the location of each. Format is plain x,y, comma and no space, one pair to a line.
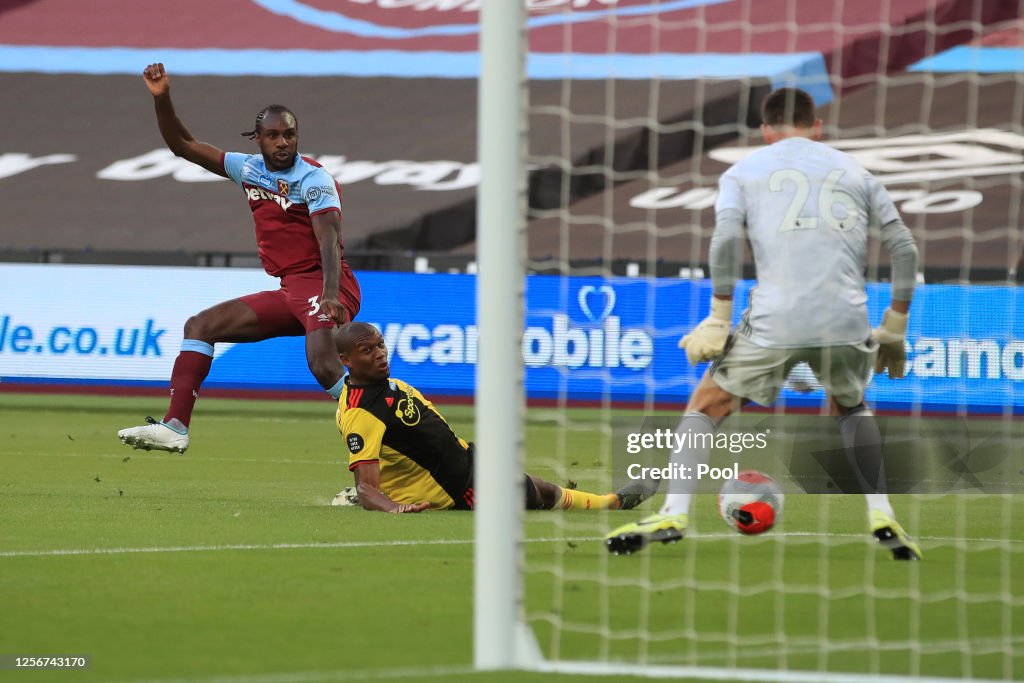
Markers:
581,500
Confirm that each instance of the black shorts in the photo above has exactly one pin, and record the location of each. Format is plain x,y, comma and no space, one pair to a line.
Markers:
466,498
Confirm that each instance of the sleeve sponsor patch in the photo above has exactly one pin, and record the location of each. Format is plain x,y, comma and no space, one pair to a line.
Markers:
315,193
355,443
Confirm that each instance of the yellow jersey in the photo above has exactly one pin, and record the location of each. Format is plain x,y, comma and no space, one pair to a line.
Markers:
421,458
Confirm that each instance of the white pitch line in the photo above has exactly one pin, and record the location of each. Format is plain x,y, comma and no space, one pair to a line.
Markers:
780,537
937,539
592,667
925,646
262,546
165,456
315,676
669,672
654,668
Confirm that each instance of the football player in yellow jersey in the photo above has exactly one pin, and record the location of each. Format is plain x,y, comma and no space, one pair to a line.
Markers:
404,455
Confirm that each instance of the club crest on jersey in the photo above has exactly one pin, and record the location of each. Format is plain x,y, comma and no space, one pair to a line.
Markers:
282,187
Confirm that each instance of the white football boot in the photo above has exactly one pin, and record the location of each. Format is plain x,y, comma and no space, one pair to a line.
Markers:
155,436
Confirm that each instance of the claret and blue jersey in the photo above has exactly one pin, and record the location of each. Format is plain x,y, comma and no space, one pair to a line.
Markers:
283,204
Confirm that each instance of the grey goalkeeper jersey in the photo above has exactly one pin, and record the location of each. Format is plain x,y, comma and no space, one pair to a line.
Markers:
807,209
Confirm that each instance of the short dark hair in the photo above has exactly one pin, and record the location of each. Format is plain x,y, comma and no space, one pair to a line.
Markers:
271,109
788,107
346,336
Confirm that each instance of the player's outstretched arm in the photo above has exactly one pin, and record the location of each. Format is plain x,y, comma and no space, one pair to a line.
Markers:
367,476
177,137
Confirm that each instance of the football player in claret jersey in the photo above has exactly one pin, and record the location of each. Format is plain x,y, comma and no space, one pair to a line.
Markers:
806,210
296,206
404,455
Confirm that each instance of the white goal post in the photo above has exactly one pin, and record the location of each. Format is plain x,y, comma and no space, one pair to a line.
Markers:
500,636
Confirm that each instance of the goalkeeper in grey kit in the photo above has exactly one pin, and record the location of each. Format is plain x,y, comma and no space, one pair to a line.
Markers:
806,210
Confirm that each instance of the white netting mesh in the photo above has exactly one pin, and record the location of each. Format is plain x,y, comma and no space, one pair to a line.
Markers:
634,115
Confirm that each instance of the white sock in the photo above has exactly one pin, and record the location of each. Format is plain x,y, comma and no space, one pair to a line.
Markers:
680,491
176,425
880,502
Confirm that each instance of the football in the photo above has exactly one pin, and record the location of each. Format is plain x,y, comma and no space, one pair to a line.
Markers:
751,503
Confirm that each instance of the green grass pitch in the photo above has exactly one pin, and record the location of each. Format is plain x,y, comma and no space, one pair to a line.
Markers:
228,564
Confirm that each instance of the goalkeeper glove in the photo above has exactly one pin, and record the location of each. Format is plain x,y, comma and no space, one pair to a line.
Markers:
890,336
707,340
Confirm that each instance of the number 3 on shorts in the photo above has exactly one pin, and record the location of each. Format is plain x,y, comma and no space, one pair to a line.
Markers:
314,305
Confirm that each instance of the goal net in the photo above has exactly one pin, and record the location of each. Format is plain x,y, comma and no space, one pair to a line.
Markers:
634,109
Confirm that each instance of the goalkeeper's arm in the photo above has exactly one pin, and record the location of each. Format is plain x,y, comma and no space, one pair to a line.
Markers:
707,340
892,333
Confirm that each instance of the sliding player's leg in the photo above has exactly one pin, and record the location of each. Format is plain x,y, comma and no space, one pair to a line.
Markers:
544,495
